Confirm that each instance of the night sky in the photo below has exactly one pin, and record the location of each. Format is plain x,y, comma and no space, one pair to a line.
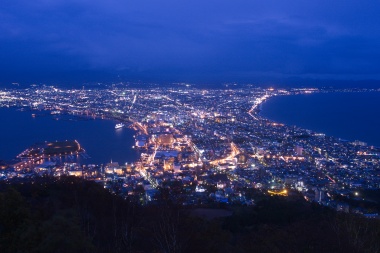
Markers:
192,41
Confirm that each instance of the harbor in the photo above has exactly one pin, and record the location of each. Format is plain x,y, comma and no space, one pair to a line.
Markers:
48,151
99,137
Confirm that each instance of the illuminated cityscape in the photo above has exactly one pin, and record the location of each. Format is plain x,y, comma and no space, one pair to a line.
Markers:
189,126
202,145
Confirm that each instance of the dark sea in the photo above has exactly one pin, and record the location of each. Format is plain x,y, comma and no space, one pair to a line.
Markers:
102,142
350,116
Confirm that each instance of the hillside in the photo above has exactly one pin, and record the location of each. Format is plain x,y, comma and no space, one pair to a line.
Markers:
70,215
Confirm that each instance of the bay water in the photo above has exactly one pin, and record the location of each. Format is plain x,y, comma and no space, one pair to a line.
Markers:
102,142
347,115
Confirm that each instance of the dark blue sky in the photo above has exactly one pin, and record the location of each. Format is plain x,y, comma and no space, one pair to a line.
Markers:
196,41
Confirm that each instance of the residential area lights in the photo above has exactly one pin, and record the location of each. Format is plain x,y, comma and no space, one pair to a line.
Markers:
206,145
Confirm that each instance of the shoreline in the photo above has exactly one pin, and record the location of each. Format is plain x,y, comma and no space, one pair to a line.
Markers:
29,139
261,116
255,111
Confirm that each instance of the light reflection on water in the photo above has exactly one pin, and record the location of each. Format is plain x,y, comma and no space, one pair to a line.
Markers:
102,142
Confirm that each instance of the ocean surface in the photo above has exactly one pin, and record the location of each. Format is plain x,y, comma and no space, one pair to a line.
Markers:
350,116
102,142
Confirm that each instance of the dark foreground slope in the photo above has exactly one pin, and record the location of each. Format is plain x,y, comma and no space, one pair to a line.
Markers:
74,216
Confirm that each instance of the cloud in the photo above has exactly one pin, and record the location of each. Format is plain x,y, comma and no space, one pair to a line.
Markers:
200,39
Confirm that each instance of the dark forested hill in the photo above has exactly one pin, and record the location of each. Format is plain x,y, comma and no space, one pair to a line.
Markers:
70,215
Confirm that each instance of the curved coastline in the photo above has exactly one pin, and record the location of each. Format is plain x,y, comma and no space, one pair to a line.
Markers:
102,142
337,114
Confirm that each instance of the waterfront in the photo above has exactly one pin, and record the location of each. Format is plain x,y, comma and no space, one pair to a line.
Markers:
99,138
191,139
351,116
